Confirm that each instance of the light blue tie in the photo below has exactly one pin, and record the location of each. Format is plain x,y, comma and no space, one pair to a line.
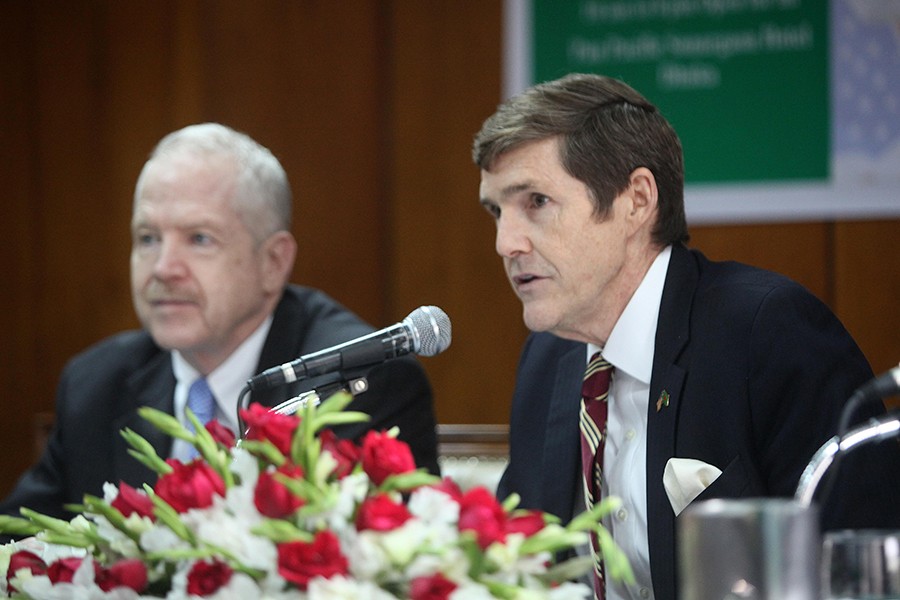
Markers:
201,402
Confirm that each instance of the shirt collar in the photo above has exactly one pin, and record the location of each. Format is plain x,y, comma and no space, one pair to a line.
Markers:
633,338
229,378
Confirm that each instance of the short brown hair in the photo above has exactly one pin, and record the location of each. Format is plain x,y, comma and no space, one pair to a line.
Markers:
606,131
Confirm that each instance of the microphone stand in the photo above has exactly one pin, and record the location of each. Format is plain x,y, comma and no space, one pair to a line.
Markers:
292,405
354,385
876,430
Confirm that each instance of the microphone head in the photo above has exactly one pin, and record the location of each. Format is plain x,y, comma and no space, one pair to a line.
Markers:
430,329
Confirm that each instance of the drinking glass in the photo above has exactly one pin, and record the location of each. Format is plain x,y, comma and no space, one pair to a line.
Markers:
861,565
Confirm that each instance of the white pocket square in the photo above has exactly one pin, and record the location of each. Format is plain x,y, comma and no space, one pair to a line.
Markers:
685,478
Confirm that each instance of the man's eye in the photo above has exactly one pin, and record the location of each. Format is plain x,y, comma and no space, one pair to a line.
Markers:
492,209
539,200
201,239
145,239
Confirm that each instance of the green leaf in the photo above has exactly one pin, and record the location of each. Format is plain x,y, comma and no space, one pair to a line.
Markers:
570,570
169,517
588,520
95,505
145,452
17,526
408,481
511,502
62,539
48,523
335,403
208,448
469,545
264,450
505,591
552,539
178,554
614,560
303,437
165,422
280,531
301,488
341,418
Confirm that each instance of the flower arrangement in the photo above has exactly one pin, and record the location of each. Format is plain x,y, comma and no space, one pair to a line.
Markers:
293,512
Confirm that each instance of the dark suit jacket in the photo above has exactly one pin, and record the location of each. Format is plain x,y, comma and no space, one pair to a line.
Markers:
101,389
757,370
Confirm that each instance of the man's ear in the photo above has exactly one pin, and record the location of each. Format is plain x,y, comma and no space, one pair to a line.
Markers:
279,251
644,198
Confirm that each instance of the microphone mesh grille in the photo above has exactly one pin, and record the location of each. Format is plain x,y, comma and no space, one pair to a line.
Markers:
431,329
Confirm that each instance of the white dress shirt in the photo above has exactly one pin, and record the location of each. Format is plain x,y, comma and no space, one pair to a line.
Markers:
630,350
226,383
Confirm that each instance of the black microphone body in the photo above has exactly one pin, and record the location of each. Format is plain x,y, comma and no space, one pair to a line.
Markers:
425,331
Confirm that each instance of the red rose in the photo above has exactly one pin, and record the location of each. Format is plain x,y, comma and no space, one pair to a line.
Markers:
205,578
131,501
63,570
436,587
449,487
381,513
263,424
272,498
480,512
528,524
189,486
299,562
383,455
129,572
23,559
220,433
345,452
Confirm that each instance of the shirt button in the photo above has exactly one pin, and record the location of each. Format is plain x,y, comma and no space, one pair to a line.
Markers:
621,514
645,593
629,435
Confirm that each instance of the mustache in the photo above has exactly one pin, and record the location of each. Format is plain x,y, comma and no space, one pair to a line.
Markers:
163,293
515,267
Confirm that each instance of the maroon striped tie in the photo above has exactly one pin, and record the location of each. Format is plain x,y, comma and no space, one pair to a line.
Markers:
592,422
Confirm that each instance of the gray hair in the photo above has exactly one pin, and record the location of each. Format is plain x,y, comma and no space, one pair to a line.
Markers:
263,196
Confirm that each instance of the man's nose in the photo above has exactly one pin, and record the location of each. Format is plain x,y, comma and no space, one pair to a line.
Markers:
512,238
169,261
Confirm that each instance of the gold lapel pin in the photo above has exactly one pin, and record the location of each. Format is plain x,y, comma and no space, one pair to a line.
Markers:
662,401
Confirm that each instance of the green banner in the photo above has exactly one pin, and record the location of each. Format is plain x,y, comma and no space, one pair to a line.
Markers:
744,82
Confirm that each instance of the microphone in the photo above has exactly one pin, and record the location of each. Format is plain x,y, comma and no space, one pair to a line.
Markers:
426,332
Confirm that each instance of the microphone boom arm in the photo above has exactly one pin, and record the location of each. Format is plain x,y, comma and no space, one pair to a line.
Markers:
876,430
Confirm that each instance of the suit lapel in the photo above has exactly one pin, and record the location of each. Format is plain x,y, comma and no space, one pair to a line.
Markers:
153,386
670,361
561,457
283,344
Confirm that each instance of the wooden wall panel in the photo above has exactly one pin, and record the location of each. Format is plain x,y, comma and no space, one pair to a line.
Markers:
95,85
303,78
371,106
445,69
867,289
798,250
852,266
18,243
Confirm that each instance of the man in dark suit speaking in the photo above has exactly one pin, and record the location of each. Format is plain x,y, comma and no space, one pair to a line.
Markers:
710,379
212,252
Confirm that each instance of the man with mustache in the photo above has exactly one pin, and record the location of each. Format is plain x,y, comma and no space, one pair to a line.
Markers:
211,256
721,380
